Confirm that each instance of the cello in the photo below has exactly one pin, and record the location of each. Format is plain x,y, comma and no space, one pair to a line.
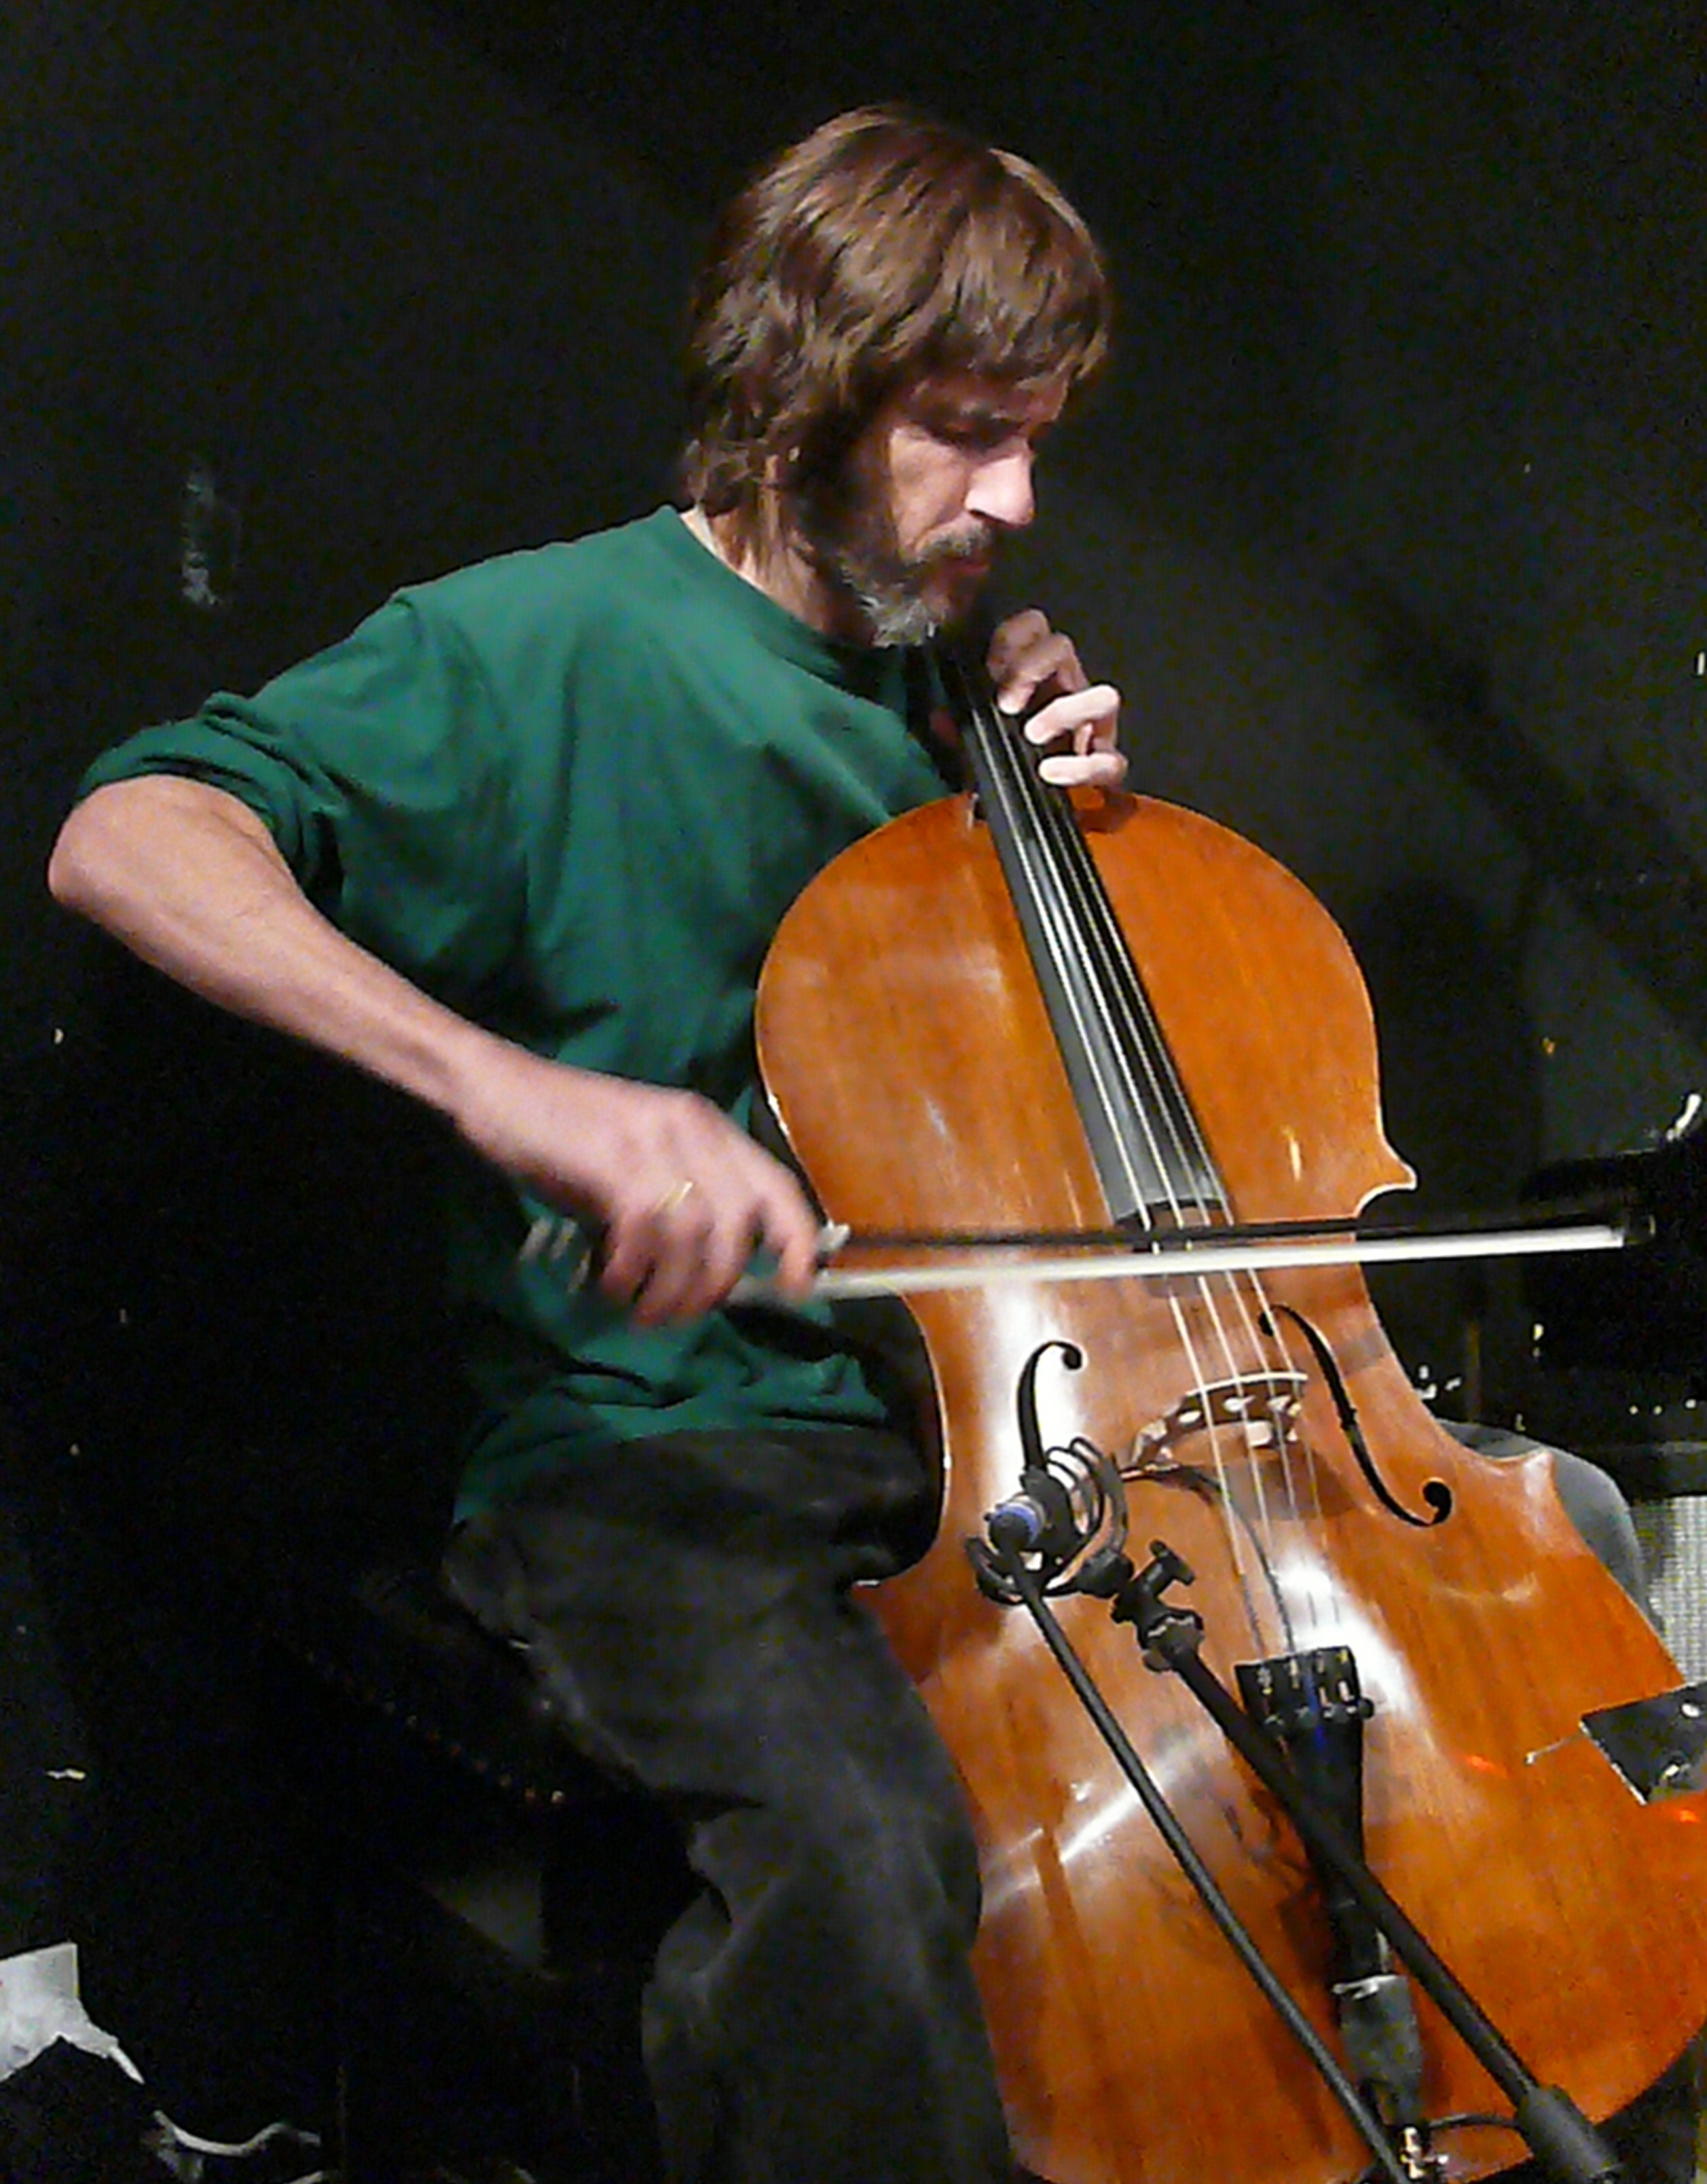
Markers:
1018,1009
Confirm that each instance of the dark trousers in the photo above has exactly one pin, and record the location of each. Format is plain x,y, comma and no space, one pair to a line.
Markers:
812,2017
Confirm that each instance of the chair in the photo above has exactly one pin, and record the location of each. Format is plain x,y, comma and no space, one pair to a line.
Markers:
496,1902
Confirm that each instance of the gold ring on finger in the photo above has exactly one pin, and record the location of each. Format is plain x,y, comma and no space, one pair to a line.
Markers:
677,1196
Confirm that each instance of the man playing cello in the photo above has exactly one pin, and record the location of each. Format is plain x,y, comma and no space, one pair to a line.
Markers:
519,846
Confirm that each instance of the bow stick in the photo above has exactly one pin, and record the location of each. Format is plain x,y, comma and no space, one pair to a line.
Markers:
1152,1255
1165,1255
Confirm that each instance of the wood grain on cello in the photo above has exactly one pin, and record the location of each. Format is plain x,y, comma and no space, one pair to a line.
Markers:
912,1046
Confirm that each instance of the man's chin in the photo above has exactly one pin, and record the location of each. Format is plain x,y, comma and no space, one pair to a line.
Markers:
913,621
913,609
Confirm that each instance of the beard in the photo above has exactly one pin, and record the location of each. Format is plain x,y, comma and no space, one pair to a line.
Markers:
899,598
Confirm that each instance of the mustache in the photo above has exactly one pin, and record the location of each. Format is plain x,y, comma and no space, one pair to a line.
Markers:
974,541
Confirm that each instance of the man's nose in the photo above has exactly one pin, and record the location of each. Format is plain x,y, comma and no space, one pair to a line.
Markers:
1001,490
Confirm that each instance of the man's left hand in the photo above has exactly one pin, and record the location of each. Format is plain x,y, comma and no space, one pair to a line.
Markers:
1078,720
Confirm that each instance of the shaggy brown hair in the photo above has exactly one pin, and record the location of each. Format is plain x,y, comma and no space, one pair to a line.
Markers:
883,249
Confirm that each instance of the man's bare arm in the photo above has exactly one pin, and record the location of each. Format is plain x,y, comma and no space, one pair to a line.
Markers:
192,881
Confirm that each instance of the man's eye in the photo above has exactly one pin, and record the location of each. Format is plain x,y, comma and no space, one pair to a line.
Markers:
981,440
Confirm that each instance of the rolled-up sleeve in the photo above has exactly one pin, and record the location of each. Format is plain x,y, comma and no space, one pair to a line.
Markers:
381,769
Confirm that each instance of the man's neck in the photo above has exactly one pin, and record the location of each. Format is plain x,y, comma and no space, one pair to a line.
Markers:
774,562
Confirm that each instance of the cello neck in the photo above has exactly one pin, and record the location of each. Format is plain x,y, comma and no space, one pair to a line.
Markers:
1144,1138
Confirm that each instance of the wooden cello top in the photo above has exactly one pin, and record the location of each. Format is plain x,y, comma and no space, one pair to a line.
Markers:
914,1071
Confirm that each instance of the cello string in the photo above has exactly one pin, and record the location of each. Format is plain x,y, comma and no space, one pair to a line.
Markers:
1256,1332
1012,786
1134,1034
1103,957
1133,1041
1044,838
1237,1306
1127,989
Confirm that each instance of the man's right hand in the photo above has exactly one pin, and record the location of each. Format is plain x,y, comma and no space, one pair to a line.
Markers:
681,1199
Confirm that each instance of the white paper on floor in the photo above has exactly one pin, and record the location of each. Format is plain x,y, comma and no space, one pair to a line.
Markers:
39,2004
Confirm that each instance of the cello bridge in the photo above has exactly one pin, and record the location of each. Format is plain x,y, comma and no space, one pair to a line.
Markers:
1263,1408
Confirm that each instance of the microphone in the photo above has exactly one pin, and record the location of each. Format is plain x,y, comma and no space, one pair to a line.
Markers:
1037,1520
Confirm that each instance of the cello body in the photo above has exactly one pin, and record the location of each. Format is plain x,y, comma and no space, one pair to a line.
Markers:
912,1065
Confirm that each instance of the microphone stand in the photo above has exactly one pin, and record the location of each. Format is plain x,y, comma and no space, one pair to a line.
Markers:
1549,2121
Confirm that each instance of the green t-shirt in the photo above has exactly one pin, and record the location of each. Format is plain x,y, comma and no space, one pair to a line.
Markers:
571,793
